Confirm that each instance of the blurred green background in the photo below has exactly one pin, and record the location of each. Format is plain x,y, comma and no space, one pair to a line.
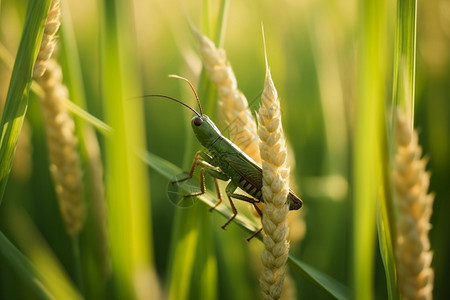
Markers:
313,56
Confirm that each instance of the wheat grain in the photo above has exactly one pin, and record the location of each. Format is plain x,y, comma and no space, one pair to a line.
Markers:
415,276
234,104
275,190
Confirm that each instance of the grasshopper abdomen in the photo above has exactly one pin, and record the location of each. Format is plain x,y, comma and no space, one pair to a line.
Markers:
250,188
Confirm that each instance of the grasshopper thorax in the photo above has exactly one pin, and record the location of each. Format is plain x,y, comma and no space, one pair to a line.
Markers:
205,130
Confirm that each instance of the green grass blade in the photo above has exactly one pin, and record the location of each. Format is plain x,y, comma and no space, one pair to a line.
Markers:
80,112
129,217
77,110
44,274
219,34
24,268
183,255
17,97
322,281
368,143
386,250
49,270
385,223
405,57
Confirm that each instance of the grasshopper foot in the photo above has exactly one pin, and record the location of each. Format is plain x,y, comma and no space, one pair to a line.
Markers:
254,234
187,177
229,220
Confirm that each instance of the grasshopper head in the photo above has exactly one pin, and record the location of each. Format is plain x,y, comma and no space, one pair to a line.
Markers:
205,130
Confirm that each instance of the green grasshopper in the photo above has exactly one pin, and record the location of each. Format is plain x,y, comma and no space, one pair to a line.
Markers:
225,161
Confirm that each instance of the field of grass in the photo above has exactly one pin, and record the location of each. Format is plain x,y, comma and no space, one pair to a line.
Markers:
341,68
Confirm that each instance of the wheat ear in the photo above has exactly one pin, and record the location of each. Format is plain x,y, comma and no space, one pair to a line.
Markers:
62,143
415,276
231,99
275,191
48,42
65,165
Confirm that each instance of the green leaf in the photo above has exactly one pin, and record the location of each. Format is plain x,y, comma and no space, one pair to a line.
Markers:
386,250
23,267
126,179
405,57
368,143
386,222
322,281
46,279
17,97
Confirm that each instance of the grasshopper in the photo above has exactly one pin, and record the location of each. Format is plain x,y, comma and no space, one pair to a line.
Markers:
225,161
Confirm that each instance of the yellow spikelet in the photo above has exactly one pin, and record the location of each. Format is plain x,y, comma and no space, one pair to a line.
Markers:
233,102
48,40
62,144
275,190
415,276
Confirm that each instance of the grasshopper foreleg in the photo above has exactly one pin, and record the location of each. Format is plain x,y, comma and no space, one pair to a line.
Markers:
210,170
204,161
199,158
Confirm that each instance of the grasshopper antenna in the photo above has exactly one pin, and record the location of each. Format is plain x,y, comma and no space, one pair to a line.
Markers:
193,90
173,99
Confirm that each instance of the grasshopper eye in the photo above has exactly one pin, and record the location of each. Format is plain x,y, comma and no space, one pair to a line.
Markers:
198,121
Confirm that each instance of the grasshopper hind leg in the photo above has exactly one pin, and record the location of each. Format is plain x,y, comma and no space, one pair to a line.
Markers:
230,190
258,210
254,234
